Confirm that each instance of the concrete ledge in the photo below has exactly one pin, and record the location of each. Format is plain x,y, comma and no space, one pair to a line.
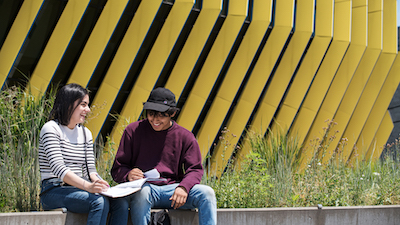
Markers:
357,215
364,215
45,218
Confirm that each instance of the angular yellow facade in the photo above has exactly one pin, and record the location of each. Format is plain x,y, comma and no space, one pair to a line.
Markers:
240,65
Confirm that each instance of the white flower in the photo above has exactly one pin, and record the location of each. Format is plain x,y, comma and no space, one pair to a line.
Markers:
376,173
319,164
361,178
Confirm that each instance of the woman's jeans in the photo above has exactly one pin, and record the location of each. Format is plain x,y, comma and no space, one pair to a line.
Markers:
75,200
150,196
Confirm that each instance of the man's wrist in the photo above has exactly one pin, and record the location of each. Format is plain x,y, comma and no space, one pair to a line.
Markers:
182,188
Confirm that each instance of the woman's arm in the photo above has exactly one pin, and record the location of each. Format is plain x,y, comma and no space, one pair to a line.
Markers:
96,186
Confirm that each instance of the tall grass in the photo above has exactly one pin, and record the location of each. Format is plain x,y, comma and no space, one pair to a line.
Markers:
105,154
21,118
281,155
268,177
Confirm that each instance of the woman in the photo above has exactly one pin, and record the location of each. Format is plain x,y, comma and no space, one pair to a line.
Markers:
68,173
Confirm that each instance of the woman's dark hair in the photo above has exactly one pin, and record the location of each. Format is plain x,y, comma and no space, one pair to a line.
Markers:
64,103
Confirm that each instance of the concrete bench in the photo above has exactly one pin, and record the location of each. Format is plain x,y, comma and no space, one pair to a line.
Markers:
187,217
356,215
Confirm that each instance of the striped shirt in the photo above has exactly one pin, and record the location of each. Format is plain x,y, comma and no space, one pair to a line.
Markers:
62,150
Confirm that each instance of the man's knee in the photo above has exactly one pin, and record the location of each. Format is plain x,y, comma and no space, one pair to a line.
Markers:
205,190
141,198
203,194
209,192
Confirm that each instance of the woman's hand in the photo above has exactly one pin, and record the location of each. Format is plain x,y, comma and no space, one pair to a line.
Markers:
135,174
96,186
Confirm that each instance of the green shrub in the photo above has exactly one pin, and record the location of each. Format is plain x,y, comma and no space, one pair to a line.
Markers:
21,118
268,177
246,187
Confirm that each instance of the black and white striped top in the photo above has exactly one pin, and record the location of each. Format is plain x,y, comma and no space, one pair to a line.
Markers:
62,150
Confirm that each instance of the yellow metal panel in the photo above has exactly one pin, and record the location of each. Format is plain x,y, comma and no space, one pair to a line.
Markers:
102,101
16,36
97,42
154,63
358,3
122,62
375,82
375,5
237,13
261,19
341,80
375,20
377,113
380,139
325,74
308,67
57,45
359,80
194,44
285,70
284,11
390,27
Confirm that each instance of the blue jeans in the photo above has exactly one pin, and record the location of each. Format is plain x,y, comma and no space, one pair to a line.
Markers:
77,201
150,196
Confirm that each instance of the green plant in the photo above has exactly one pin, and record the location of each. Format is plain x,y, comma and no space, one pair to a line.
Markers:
21,117
105,153
270,177
246,187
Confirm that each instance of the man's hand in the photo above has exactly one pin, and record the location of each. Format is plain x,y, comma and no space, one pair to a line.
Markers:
135,174
179,197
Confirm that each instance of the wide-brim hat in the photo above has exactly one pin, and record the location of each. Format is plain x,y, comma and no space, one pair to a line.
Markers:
160,99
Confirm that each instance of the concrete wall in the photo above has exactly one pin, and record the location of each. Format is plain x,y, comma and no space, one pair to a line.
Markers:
360,215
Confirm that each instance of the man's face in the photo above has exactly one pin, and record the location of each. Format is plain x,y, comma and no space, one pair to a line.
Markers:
159,120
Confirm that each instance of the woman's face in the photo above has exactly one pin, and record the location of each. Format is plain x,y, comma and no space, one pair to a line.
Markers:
79,114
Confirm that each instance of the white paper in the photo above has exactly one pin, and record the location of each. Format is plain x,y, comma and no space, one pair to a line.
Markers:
152,174
128,188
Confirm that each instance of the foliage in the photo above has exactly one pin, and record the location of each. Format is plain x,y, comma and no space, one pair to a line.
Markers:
105,153
246,187
268,177
21,118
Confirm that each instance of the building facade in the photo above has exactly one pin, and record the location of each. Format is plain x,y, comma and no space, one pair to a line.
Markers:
312,68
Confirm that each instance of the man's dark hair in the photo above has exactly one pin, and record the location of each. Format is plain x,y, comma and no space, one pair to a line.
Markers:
171,111
64,103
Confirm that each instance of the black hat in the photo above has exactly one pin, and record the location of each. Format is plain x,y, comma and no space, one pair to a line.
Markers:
160,99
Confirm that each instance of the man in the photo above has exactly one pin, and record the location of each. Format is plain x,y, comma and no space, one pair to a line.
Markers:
159,142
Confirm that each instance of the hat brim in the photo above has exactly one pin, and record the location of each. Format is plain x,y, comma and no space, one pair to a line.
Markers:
155,106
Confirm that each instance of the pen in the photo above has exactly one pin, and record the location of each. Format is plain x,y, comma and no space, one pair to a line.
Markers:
98,176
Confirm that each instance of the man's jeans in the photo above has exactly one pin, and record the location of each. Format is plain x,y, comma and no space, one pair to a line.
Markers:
150,196
78,201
